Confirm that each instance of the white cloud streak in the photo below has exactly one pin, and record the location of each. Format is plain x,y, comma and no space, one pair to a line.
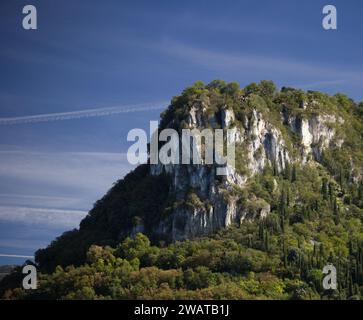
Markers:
40,216
220,61
87,173
31,200
66,185
87,113
15,256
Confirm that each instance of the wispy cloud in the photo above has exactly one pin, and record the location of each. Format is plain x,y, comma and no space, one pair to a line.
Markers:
87,174
219,60
220,24
54,192
83,113
248,63
319,84
40,216
31,200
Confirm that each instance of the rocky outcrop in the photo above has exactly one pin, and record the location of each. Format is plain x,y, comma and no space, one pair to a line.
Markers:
316,133
255,209
190,220
262,143
266,146
214,211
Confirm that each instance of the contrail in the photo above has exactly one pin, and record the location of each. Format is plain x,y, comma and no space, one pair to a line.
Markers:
83,113
15,256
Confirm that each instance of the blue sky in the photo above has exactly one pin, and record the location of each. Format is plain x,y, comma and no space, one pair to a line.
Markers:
93,54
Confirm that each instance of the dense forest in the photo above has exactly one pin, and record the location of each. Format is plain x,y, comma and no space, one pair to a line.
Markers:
316,218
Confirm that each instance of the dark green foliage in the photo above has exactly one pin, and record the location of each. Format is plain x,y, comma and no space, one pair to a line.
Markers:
138,198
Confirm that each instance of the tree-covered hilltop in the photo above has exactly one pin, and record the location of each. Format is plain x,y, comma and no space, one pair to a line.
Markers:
298,207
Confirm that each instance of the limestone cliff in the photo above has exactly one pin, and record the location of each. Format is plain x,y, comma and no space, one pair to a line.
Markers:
204,203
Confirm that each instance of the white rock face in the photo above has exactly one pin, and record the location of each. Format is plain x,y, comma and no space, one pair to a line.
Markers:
316,133
187,221
306,137
266,146
263,143
227,118
260,210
